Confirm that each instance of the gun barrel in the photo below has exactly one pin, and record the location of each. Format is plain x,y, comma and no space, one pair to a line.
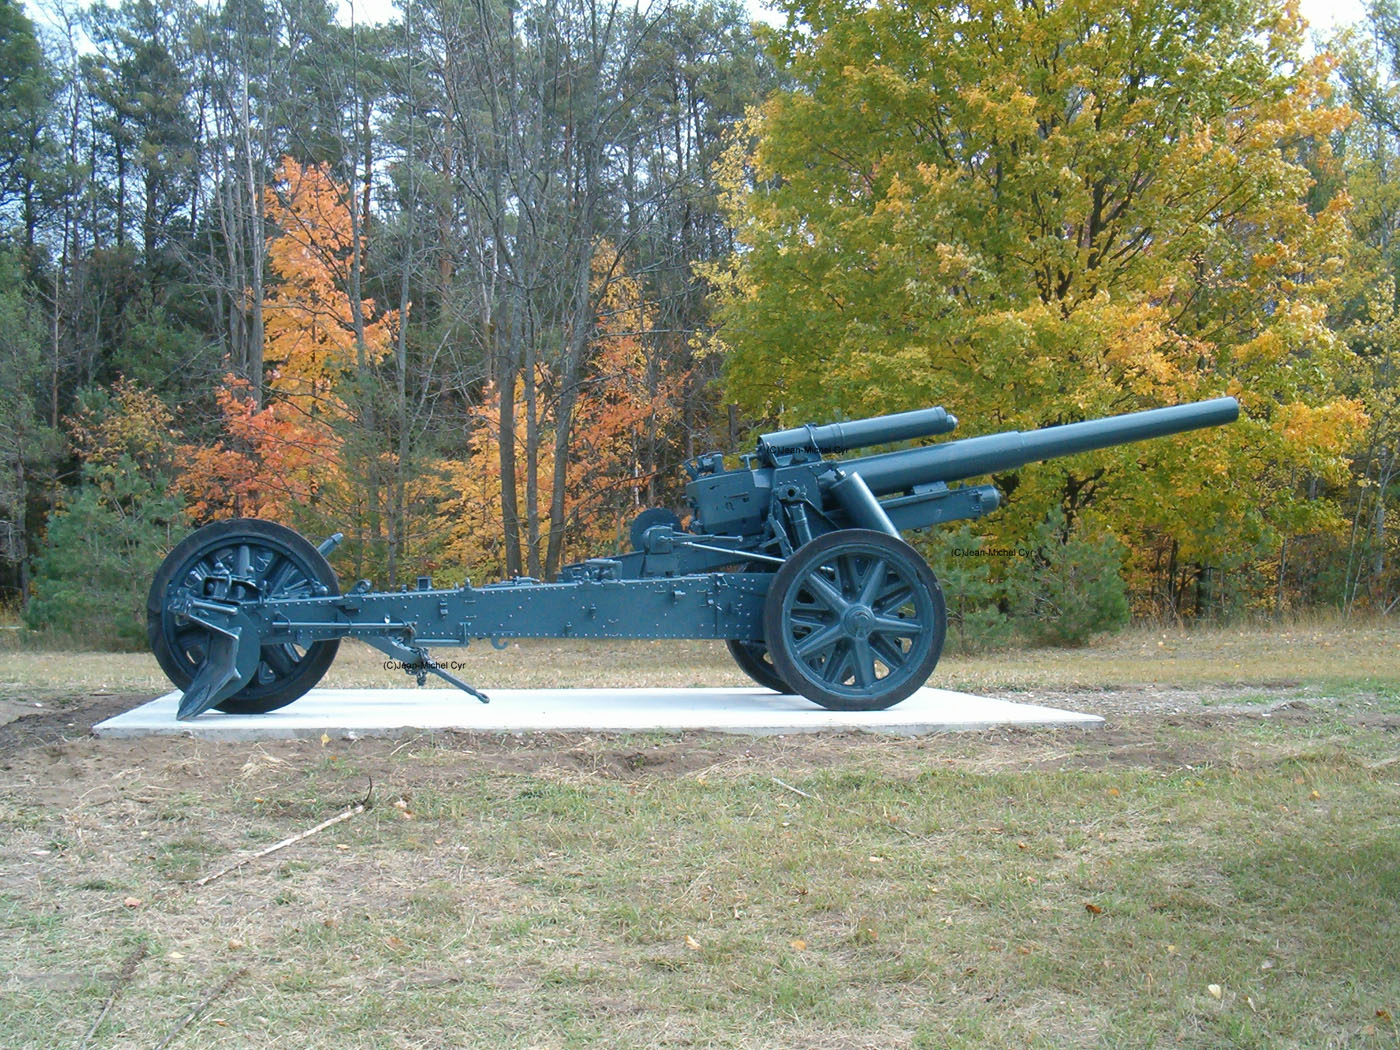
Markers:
893,472
859,433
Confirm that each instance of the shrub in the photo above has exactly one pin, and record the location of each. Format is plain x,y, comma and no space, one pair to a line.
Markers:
100,552
105,541
976,621
1070,587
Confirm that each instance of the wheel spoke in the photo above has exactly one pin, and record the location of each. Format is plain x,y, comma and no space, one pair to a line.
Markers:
846,570
863,662
873,582
275,577
893,657
899,593
818,641
199,572
834,670
281,659
189,629
898,628
820,588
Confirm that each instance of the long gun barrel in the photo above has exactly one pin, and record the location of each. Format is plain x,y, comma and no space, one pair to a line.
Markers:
894,472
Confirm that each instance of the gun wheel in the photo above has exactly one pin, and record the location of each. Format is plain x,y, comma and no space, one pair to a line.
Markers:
855,620
240,559
755,661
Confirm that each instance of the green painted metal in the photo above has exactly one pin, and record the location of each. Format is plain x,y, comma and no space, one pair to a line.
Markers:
797,563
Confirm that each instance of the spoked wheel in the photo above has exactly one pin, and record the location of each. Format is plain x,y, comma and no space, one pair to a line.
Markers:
755,661
855,620
240,560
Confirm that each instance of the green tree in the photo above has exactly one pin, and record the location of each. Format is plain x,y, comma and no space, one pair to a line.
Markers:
25,85
1039,213
28,448
963,563
104,543
140,80
1369,63
1070,586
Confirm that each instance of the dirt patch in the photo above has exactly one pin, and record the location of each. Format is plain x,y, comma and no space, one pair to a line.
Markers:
35,723
51,752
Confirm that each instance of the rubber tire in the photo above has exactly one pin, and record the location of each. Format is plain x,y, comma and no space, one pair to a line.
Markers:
925,592
255,698
750,658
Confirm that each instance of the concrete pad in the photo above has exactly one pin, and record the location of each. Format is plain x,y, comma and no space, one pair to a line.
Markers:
391,712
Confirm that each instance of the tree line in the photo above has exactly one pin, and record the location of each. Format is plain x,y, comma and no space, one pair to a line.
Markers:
1041,212
357,276
468,286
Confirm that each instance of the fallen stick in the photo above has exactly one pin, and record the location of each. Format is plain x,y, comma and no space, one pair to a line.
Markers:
222,987
358,807
795,791
124,976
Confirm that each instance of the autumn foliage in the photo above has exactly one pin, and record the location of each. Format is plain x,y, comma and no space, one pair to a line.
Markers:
468,360
629,396
287,458
1042,213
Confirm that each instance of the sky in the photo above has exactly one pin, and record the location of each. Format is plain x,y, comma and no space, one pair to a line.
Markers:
1325,15
382,10
1322,15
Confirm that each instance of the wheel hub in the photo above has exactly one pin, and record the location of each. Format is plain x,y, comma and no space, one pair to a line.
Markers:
858,621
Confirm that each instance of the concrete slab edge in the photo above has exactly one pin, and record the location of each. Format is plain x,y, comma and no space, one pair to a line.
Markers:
156,718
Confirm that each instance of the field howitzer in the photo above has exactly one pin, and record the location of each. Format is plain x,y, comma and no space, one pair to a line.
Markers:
795,560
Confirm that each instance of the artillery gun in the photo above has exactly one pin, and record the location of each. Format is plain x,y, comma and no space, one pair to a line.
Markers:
795,560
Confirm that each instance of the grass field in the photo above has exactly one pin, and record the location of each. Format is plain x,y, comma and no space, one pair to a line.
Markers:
1225,873
1323,654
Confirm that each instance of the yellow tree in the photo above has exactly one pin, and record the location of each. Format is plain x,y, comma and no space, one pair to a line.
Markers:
469,491
1038,213
631,398
1367,56
628,396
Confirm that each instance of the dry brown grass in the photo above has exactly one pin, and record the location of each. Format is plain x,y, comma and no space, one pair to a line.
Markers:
1321,654
656,892
674,891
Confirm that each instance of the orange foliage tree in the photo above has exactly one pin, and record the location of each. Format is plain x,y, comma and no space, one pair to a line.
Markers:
632,396
470,492
296,457
629,396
